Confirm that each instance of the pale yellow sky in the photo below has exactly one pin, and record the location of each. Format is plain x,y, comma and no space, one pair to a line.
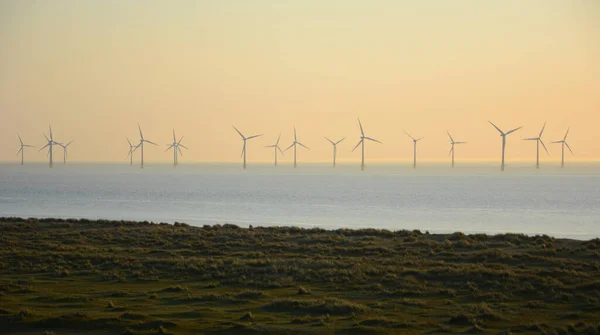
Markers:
93,69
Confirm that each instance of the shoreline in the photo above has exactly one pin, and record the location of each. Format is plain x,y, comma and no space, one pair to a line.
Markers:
66,219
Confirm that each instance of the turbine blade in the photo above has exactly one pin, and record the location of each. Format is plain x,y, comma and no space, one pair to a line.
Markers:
303,145
498,129
170,146
183,146
460,142
544,146
150,142
361,128
254,136
278,138
409,135
288,148
47,139
50,127
29,146
329,140
242,154
541,132
128,141
20,139
531,139
513,130
239,132
68,143
556,141
338,142
451,149
451,139
359,142
280,150
271,146
420,138
567,144
372,139
180,152
42,148
18,152
140,129
567,133
174,140
181,139
294,133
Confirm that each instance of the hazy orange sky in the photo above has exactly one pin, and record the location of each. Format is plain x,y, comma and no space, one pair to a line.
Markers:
93,69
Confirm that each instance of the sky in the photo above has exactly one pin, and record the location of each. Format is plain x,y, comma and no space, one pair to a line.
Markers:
94,69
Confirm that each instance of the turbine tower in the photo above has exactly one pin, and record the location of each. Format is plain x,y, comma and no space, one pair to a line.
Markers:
538,141
452,142
276,147
362,141
141,145
132,148
564,142
176,148
65,147
245,139
415,140
503,134
294,145
334,148
22,150
50,144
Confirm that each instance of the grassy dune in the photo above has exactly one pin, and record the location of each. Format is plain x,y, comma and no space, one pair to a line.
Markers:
101,277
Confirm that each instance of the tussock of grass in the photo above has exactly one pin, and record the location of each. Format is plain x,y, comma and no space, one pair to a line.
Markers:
175,289
303,291
247,317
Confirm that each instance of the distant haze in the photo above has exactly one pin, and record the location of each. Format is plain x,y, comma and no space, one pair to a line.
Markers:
93,69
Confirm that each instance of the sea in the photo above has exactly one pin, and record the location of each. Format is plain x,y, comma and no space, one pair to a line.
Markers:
475,198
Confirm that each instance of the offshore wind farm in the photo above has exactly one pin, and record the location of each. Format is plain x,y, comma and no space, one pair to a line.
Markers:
176,146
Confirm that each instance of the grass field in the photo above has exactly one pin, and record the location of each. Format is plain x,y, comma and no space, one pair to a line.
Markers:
103,277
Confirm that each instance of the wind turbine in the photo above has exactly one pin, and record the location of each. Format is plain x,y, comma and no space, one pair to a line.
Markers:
362,141
503,134
50,144
141,145
245,139
276,147
132,148
415,140
21,150
452,142
175,145
538,140
564,142
294,145
65,147
334,148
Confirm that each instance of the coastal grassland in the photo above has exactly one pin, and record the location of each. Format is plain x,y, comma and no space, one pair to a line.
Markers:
108,277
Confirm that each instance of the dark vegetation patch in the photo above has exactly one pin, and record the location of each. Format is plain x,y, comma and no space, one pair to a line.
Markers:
82,276
332,306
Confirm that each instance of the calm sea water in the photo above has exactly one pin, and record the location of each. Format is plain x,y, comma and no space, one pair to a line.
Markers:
476,198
